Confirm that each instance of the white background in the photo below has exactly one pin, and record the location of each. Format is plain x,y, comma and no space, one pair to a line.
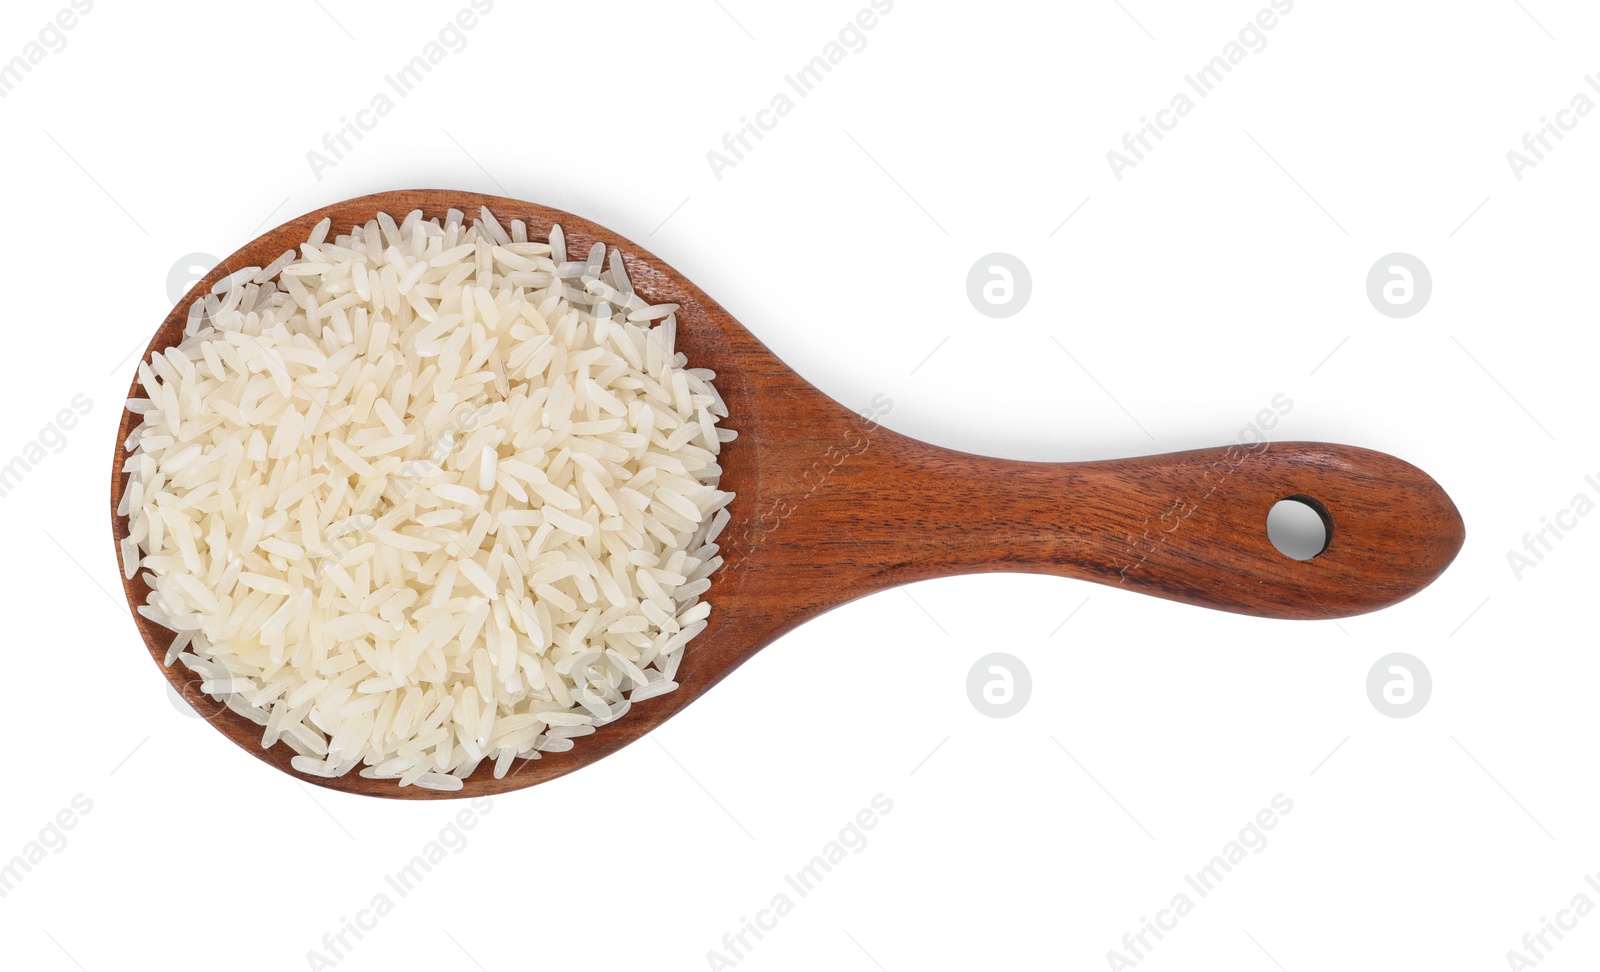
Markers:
1226,268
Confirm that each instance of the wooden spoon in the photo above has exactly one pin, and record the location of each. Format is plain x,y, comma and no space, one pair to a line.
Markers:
832,506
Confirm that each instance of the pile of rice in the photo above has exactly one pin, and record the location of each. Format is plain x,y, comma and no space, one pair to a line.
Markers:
426,495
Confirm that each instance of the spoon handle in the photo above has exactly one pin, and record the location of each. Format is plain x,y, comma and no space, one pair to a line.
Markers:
1187,526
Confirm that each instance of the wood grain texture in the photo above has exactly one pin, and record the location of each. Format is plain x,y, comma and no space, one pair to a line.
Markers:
832,507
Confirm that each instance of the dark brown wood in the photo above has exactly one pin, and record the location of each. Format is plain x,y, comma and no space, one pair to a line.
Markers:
832,507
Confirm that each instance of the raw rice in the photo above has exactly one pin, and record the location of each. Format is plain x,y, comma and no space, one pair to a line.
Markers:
425,496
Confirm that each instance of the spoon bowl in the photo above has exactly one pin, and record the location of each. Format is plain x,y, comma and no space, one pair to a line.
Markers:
831,506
